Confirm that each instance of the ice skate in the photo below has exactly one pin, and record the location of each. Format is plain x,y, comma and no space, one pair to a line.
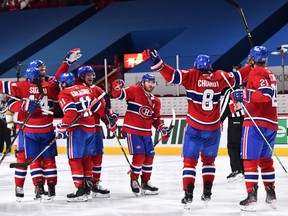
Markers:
78,196
206,196
39,190
49,196
87,186
135,188
19,193
249,204
148,188
235,176
188,197
271,196
99,192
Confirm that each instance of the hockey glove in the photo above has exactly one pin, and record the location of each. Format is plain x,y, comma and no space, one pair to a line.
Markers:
61,131
118,84
246,95
154,57
112,126
238,95
72,56
111,122
242,95
165,133
30,106
113,116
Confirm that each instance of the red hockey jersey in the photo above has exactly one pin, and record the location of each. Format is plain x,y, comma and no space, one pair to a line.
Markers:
203,95
263,101
97,91
73,101
39,122
143,110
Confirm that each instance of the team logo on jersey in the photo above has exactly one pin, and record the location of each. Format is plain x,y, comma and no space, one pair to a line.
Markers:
145,112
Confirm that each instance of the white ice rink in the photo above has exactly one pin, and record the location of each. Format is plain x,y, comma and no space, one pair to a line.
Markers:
166,175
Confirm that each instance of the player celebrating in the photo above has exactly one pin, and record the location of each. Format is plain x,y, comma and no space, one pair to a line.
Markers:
38,131
143,111
73,100
86,76
203,129
260,98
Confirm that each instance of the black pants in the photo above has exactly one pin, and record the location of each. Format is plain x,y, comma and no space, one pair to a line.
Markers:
5,136
234,142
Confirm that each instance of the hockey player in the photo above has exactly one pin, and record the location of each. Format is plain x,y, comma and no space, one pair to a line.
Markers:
73,100
143,112
86,76
203,133
260,99
38,130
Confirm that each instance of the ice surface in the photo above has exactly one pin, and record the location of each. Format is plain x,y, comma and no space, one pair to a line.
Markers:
166,175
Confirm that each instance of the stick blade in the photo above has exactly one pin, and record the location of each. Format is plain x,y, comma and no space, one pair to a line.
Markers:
234,3
16,165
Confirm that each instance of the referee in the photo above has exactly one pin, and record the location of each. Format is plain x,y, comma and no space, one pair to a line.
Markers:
233,111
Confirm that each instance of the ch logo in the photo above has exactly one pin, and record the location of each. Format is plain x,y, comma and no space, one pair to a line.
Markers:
145,112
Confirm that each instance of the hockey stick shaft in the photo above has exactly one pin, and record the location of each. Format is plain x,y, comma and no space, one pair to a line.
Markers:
237,5
171,126
25,164
14,165
258,129
123,151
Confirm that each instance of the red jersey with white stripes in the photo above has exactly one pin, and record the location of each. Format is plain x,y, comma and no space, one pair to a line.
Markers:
97,91
39,122
143,110
263,102
203,95
73,101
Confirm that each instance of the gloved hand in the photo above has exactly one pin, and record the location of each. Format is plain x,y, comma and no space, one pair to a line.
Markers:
61,131
242,95
72,56
112,126
118,84
154,57
165,133
30,106
238,95
111,122
113,116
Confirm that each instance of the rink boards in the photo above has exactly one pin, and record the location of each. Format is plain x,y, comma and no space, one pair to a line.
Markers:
174,144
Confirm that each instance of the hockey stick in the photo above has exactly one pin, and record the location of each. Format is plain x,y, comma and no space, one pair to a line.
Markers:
238,6
15,165
172,124
258,129
124,153
41,94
